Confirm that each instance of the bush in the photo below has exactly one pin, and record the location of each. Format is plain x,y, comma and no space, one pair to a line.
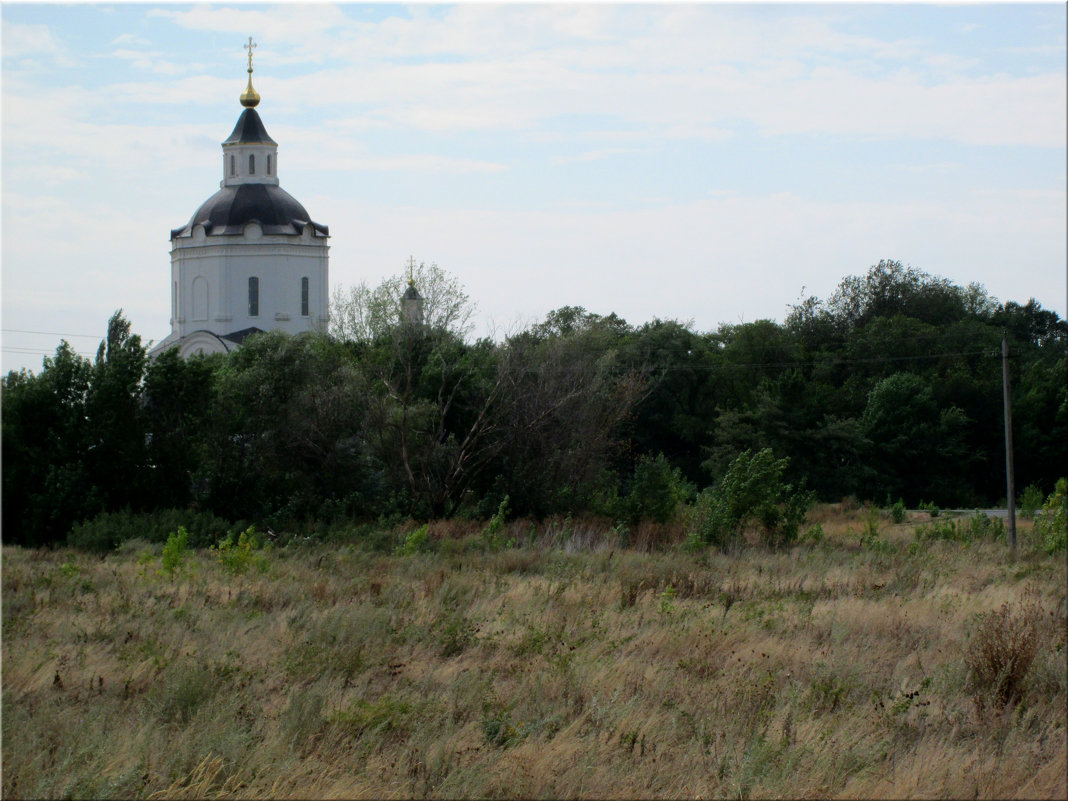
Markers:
175,552
491,534
983,527
943,530
1001,653
1052,526
656,491
750,492
109,530
1030,500
897,511
417,541
248,551
931,508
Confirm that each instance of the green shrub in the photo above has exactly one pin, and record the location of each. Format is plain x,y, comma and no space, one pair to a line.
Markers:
1052,526
417,541
389,717
175,552
983,527
667,601
978,526
656,491
109,530
248,552
871,523
931,508
897,511
943,530
491,534
870,539
1030,501
751,492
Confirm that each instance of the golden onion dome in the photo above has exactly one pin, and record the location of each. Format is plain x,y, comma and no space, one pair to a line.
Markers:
250,98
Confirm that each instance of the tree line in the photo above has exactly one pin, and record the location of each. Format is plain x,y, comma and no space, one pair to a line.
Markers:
890,389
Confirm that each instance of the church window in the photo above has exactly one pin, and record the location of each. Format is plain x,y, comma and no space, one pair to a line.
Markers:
253,297
251,164
200,298
304,297
233,166
268,163
176,299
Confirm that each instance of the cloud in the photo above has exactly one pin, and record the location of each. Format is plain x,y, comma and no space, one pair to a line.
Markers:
130,39
59,129
22,40
416,162
284,33
723,258
152,61
592,155
353,91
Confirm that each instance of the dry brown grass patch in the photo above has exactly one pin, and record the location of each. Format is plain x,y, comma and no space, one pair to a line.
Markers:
1002,651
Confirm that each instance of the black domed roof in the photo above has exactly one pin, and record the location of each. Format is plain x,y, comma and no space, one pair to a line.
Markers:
230,209
249,130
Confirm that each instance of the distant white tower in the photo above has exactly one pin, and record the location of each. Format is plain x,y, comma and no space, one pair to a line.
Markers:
250,258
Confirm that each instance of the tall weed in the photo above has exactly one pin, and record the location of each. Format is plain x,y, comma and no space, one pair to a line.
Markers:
1001,652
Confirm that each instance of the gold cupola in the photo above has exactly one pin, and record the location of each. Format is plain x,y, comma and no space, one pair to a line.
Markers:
250,98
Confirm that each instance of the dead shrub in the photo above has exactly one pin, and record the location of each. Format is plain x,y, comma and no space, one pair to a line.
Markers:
1002,650
650,536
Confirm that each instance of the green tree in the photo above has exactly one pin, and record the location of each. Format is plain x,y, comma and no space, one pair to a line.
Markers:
751,492
361,314
286,433
179,395
916,446
116,455
565,393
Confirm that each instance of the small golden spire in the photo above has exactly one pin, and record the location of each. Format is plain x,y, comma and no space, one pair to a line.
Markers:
250,98
411,271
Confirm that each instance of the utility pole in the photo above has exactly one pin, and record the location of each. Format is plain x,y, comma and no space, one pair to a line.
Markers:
1010,478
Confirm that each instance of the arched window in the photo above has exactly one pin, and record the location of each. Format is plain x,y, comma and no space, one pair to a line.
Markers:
175,299
268,163
251,164
304,297
253,297
233,165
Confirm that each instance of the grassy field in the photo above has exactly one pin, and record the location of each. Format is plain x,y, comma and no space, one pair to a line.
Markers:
863,663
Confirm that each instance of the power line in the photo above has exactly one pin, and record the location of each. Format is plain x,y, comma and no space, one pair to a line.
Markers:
49,333
41,352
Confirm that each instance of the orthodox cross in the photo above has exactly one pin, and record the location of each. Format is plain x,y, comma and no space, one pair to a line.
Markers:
249,47
411,269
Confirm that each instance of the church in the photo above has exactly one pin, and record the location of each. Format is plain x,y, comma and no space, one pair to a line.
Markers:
250,259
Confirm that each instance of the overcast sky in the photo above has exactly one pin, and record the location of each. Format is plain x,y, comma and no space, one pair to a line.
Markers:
713,163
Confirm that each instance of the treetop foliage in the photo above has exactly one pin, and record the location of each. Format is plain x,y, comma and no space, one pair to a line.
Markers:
892,387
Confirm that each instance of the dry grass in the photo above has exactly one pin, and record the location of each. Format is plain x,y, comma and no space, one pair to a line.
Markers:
561,668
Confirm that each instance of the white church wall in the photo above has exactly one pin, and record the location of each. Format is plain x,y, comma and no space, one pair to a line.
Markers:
225,268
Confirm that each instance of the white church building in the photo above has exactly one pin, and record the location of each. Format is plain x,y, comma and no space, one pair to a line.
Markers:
250,259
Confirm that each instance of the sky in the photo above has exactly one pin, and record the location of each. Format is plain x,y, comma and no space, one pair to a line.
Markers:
704,163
